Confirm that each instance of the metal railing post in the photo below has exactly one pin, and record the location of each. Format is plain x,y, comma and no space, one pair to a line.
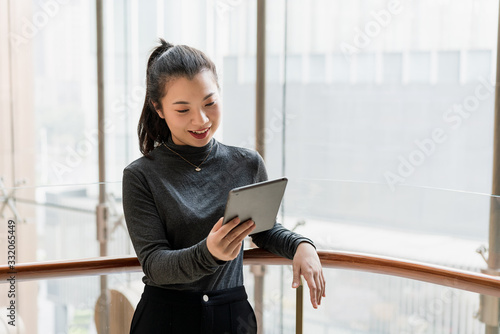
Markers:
260,84
260,115
299,308
101,210
489,309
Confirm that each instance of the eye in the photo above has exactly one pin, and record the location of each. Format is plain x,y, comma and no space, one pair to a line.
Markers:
210,104
182,111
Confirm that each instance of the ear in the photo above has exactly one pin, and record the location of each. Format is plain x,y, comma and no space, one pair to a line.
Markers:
158,110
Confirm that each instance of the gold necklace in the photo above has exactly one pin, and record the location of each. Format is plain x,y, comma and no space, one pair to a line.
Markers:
197,168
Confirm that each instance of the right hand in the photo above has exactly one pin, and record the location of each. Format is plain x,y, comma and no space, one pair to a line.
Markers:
224,241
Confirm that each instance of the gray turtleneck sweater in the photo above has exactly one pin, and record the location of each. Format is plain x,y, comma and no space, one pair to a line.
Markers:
170,209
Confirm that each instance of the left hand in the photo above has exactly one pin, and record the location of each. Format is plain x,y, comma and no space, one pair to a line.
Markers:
306,263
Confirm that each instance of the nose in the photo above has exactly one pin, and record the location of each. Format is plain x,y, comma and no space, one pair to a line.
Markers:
200,118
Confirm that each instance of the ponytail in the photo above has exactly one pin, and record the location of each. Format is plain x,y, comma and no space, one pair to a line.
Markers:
151,126
166,62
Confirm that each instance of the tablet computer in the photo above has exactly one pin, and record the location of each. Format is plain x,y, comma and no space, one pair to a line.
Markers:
259,202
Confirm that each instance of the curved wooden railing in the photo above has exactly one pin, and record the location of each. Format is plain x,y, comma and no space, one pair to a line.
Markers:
464,280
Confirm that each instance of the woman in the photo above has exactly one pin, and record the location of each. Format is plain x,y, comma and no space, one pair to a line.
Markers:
173,199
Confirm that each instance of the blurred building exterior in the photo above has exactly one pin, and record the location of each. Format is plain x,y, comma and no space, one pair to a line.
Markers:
380,113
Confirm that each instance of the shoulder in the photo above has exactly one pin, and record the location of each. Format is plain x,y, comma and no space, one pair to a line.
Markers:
134,172
137,165
245,159
240,152
143,165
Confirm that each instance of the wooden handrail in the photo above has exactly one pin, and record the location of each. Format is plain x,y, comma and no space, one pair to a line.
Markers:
70,268
459,279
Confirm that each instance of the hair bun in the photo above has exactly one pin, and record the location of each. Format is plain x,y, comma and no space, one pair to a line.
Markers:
159,50
165,45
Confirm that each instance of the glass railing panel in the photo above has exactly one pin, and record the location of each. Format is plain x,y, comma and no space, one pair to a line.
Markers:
369,303
71,305
422,224
431,225
59,222
360,302
357,302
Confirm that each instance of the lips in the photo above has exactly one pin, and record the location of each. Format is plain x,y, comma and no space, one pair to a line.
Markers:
199,134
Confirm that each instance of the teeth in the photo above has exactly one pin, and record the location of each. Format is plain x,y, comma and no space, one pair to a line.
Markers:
200,132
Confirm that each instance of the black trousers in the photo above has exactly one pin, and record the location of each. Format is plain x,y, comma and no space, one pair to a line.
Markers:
184,312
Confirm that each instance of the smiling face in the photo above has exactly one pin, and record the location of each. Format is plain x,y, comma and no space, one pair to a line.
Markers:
191,109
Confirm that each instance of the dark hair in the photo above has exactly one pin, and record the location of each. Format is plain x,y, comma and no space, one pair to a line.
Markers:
166,62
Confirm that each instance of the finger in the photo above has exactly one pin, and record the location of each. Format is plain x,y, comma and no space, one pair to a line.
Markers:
313,287
312,292
217,225
238,234
319,287
230,225
324,283
247,228
319,293
236,250
240,231
233,223
247,231
235,245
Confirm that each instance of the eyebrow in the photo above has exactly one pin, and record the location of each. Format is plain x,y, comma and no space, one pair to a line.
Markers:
184,102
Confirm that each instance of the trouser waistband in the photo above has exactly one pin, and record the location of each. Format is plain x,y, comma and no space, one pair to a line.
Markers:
195,297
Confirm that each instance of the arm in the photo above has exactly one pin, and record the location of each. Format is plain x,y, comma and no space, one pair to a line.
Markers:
291,245
160,263
306,263
280,241
277,240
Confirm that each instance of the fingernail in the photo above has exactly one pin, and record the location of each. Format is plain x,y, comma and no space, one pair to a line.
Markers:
294,285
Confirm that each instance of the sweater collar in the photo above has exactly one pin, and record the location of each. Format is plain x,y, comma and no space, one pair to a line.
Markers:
186,149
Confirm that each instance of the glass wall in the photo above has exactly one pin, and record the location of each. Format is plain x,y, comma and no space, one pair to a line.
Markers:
380,113
389,109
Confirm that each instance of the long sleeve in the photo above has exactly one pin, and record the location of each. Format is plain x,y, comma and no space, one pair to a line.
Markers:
277,240
160,263
170,210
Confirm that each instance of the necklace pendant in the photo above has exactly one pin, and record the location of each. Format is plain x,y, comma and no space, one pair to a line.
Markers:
198,169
